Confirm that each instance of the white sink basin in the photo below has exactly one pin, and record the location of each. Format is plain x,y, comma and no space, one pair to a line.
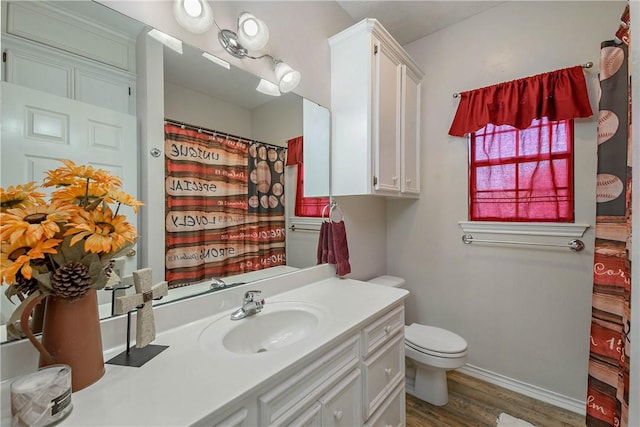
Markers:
277,326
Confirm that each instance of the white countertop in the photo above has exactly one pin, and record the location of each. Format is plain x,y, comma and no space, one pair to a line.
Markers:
184,384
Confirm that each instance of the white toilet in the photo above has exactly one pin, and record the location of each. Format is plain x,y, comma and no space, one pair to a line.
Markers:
433,352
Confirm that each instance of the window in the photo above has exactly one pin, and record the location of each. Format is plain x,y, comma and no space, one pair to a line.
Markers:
522,175
304,206
308,206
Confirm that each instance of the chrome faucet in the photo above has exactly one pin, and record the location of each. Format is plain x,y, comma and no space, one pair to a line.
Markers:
251,304
217,283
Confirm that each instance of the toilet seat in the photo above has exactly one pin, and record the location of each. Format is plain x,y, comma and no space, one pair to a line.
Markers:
435,341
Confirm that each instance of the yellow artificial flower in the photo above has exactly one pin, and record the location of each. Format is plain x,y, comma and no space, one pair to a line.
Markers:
20,196
125,199
16,257
100,230
71,174
80,194
32,223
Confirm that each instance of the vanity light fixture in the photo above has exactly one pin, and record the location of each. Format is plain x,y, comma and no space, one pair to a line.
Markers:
167,40
195,16
268,88
220,62
253,34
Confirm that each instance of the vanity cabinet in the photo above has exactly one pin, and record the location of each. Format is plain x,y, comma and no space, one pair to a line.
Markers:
375,106
358,381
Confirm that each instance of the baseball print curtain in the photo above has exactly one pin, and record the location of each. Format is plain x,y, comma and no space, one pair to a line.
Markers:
609,356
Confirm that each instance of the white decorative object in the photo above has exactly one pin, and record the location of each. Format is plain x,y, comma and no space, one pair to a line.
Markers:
41,398
142,300
608,187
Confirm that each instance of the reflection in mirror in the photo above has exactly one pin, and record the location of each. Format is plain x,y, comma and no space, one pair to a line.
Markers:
197,91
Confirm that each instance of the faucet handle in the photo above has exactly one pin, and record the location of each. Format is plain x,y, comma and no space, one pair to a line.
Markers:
251,296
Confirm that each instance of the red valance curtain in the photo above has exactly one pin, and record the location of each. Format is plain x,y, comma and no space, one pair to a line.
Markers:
557,95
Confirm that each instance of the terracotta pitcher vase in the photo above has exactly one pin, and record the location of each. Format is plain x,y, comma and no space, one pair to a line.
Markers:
71,335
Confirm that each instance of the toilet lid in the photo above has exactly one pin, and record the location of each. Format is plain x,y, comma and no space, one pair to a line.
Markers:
434,339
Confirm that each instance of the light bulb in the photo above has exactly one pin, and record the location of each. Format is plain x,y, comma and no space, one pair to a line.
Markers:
193,15
192,7
288,78
253,33
250,27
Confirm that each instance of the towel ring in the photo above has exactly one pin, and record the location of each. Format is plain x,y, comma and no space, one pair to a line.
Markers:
333,207
324,209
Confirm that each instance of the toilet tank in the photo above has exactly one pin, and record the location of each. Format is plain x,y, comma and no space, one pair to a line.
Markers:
393,281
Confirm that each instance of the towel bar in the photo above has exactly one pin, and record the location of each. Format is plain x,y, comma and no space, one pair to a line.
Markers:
575,245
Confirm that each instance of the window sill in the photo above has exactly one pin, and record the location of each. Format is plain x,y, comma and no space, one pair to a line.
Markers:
522,228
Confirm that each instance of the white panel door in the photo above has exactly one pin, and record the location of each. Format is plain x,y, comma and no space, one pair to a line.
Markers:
39,128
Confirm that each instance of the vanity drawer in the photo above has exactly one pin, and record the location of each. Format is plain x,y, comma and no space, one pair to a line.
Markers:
376,334
312,417
341,404
382,371
304,387
392,412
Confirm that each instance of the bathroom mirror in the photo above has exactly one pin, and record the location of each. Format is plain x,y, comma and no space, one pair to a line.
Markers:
201,79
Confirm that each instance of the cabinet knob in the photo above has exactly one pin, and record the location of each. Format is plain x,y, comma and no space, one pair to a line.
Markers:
387,371
394,178
408,181
337,415
387,329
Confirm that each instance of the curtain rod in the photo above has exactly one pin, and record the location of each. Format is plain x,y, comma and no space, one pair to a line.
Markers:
218,133
585,65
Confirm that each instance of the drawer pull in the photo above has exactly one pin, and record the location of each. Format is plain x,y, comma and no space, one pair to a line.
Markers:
387,371
388,425
387,329
337,415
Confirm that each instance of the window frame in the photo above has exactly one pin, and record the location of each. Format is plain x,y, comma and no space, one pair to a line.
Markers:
517,160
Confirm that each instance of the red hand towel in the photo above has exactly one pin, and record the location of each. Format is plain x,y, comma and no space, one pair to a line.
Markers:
321,243
340,248
331,255
325,241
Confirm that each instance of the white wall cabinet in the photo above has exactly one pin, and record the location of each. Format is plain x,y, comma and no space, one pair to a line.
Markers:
375,106
358,381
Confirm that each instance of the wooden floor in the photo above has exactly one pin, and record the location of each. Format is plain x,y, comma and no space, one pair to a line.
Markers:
473,402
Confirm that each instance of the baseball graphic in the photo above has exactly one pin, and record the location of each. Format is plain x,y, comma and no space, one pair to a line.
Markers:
254,202
611,58
607,125
272,155
608,187
263,177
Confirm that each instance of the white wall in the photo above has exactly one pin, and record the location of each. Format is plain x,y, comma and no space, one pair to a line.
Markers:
524,311
185,105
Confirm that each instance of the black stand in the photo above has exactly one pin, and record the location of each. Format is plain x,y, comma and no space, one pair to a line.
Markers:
136,357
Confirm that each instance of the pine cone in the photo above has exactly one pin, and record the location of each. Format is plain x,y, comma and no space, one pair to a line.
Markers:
71,280
25,286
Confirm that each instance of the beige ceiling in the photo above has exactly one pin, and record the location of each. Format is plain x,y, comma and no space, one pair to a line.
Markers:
408,21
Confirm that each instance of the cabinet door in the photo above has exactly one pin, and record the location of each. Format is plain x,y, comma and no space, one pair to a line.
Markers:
341,406
410,146
39,72
386,109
